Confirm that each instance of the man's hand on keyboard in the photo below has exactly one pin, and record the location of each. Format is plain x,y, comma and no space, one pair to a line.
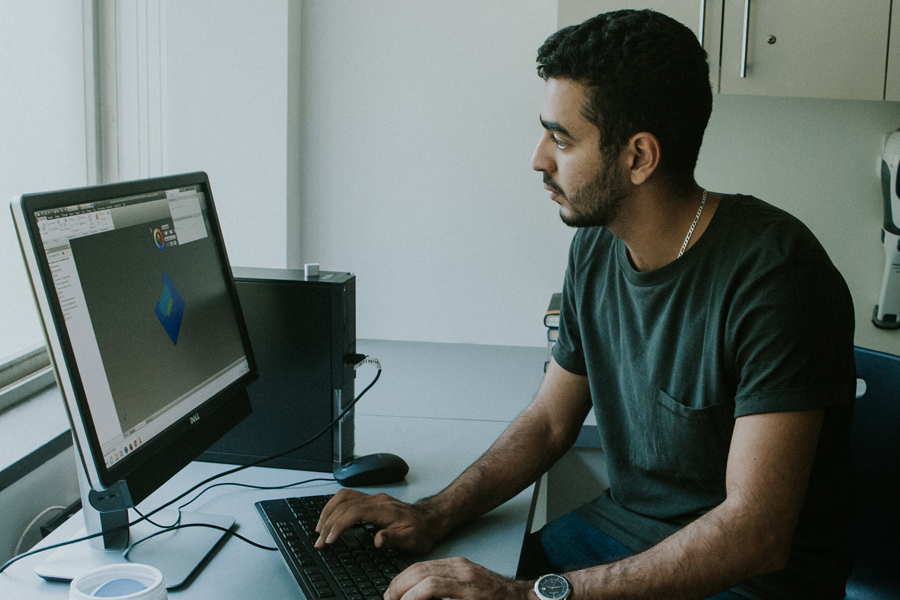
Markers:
404,526
455,578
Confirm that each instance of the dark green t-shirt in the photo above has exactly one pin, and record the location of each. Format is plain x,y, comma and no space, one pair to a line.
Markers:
754,318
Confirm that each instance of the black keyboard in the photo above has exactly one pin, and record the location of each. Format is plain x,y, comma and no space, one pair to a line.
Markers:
352,568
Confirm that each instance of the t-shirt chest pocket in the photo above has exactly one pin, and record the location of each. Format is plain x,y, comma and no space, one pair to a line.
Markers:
691,442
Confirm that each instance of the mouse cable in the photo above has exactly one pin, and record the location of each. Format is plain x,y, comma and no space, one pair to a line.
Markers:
323,431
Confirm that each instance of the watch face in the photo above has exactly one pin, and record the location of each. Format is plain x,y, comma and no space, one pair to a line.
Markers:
553,586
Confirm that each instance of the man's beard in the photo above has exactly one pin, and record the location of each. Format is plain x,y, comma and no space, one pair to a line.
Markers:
595,204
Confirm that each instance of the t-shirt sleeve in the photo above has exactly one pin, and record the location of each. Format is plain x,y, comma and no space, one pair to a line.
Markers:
568,351
792,336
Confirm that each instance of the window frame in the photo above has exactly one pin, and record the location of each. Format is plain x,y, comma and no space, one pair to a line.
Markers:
25,375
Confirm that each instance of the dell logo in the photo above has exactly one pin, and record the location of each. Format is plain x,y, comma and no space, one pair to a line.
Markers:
194,418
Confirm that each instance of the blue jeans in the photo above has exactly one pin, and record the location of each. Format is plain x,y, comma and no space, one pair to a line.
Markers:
570,543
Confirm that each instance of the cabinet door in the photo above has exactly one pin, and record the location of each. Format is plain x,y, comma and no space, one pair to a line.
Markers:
892,85
702,16
802,48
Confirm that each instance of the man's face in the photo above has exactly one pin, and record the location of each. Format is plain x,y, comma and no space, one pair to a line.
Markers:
587,185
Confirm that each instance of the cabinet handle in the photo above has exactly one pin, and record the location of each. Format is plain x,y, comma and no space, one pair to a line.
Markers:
744,41
702,29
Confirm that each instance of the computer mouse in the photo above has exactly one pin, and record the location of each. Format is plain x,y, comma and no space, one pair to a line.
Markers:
371,469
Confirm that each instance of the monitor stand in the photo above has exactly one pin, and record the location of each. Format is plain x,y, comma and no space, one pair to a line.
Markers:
177,553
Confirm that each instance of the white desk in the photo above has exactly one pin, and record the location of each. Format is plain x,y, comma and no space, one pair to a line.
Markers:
450,381
436,449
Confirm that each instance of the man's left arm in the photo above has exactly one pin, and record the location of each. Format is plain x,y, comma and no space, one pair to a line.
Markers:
749,534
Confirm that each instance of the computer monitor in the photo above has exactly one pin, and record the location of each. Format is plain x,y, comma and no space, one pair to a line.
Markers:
145,332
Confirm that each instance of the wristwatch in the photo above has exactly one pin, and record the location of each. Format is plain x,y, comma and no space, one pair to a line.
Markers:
552,587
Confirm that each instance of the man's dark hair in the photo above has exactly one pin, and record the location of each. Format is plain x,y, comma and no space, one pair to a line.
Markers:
647,72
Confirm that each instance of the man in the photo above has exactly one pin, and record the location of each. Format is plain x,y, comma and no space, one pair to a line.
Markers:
710,333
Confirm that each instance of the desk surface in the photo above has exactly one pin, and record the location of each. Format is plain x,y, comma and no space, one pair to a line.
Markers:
452,381
436,449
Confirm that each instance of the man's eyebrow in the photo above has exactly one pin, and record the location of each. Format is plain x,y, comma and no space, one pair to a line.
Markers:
554,126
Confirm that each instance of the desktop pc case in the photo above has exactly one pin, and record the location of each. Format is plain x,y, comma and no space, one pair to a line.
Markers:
301,330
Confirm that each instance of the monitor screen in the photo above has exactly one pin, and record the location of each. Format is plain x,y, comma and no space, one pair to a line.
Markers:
143,322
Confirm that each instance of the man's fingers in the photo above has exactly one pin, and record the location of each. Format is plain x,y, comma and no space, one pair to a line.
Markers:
442,578
341,513
339,499
433,586
347,509
343,518
453,578
423,576
404,537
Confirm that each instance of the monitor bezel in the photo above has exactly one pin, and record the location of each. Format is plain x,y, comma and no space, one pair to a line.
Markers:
180,443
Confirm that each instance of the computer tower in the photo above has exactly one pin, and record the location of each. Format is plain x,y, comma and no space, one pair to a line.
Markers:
302,331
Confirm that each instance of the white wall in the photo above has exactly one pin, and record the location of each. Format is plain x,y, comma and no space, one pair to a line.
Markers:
419,120
42,136
226,114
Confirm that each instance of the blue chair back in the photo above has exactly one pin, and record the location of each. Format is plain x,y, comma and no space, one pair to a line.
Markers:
875,440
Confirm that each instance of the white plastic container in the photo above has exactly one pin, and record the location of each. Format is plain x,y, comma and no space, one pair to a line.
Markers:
126,581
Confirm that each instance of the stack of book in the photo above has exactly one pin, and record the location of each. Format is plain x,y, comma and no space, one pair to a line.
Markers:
551,322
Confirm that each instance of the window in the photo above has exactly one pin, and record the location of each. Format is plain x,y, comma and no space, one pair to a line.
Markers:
42,137
91,91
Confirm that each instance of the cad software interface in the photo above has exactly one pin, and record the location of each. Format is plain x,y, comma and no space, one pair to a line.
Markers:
146,310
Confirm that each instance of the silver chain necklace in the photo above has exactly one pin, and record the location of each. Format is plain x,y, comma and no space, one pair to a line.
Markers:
687,238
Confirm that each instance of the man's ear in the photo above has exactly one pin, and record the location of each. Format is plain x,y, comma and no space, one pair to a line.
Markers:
643,154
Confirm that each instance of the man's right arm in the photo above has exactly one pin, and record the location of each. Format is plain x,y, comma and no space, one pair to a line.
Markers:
535,440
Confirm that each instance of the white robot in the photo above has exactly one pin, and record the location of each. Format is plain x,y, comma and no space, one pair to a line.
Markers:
887,311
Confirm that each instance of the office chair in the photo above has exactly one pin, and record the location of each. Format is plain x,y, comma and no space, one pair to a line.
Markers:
875,441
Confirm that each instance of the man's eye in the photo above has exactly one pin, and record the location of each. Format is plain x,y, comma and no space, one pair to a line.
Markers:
559,143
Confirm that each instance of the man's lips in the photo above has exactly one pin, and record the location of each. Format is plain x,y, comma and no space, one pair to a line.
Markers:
550,186
555,192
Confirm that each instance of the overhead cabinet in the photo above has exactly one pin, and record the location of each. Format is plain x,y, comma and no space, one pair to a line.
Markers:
801,48
805,48
892,85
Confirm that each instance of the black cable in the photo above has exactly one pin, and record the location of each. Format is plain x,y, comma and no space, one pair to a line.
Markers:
177,522
258,487
178,525
146,517
267,459
229,532
174,525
